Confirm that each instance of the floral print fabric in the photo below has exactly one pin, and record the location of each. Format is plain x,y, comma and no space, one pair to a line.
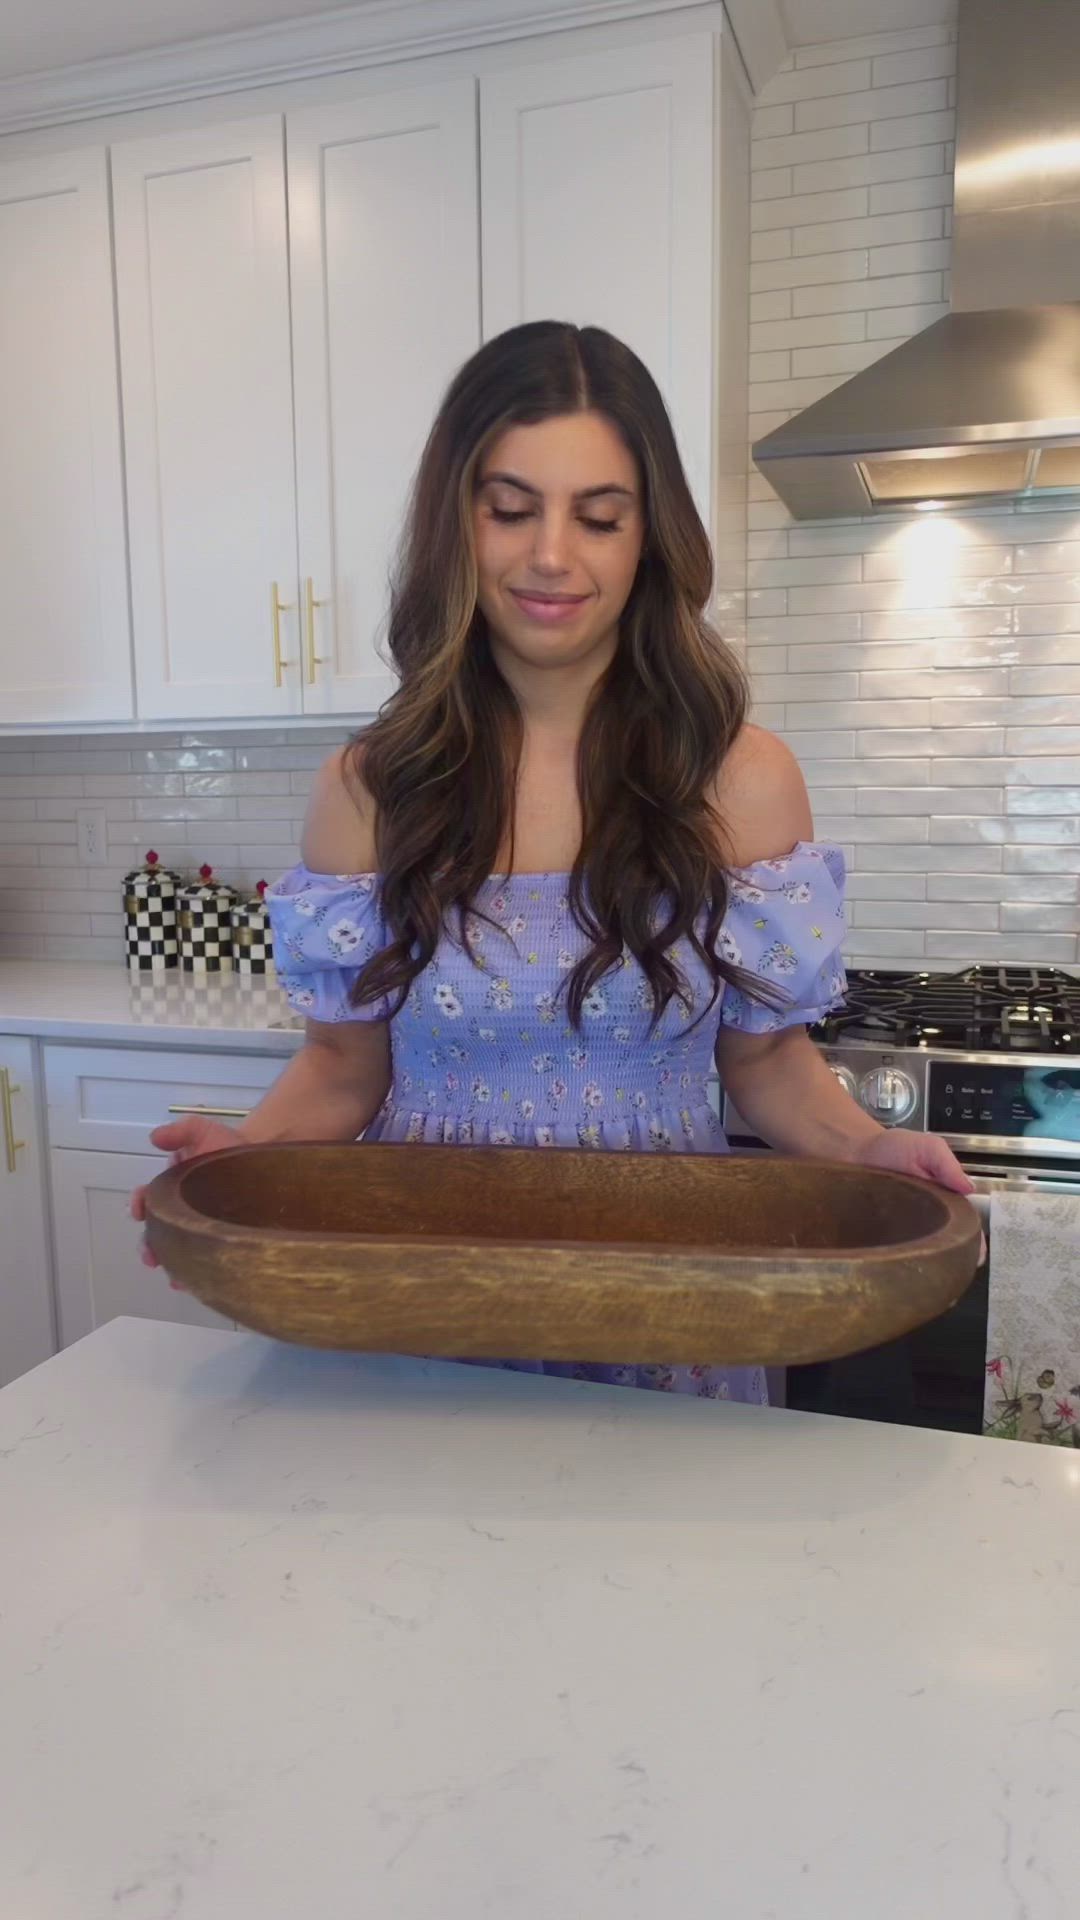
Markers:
483,1051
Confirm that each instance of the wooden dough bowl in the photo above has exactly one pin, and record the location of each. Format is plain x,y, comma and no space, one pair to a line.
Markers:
560,1255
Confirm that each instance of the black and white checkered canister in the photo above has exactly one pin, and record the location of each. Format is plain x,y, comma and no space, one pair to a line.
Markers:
253,942
206,925
151,931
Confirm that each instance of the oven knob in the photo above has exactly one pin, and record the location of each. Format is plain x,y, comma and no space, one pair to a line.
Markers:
846,1079
889,1095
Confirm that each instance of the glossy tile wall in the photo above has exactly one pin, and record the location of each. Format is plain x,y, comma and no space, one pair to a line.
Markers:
925,669
234,799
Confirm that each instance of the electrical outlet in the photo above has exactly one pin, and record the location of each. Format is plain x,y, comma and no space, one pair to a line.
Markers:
93,836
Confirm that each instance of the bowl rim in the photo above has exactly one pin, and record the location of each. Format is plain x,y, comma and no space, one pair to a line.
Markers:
166,1205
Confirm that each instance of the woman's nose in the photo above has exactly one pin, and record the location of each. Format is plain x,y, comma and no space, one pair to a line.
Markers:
551,544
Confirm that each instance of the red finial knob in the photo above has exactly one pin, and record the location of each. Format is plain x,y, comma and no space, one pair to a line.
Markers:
260,888
151,859
206,873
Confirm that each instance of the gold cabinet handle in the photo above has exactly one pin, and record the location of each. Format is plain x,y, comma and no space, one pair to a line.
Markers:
310,603
215,1113
11,1145
278,606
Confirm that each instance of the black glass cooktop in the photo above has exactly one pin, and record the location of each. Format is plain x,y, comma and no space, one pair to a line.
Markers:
981,1010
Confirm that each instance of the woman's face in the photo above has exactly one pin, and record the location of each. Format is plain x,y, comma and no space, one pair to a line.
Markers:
558,524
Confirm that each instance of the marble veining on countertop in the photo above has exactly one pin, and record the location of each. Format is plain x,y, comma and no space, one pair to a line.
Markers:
289,1632
66,1000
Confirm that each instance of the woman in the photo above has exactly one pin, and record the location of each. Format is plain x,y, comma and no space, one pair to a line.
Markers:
560,872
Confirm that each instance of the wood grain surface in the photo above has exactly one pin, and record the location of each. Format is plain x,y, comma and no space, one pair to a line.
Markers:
560,1255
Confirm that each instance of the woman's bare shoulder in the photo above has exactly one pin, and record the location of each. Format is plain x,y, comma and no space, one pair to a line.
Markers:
339,826
762,800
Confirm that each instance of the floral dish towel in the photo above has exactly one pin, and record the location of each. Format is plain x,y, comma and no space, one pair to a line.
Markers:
1033,1335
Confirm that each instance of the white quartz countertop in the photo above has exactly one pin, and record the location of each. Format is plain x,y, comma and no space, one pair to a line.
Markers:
291,1633
61,1000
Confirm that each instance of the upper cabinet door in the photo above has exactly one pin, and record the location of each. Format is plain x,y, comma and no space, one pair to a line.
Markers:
66,654
385,286
598,207
203,290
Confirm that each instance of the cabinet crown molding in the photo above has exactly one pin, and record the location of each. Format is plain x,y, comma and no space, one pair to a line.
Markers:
370,33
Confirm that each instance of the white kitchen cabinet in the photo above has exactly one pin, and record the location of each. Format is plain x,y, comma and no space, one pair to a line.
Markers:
385,300
26,1317
66,647
99,1273
103,1103
109,1099
598,198
203,299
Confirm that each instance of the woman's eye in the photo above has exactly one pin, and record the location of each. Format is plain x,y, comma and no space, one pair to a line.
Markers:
599,526
508,516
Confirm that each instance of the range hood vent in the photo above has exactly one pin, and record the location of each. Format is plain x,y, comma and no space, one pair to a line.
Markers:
985,404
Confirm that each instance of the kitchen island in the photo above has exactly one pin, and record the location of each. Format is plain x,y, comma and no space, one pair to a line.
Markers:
291,1633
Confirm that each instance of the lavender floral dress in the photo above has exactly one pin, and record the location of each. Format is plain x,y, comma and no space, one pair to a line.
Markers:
484,1054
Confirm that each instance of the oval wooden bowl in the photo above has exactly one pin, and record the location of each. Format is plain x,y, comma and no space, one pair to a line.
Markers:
523,1254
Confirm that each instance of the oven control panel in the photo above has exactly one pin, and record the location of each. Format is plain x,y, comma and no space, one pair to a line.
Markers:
1011,1101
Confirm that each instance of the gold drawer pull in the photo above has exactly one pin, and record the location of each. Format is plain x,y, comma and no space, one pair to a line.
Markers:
313,659
215,1113
11,1145
278,606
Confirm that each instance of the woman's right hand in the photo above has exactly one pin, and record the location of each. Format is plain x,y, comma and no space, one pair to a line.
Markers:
183,1139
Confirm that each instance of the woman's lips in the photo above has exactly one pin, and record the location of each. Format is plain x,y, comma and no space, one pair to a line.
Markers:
551,609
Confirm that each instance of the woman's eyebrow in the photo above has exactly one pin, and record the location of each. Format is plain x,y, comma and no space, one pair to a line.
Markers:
585,493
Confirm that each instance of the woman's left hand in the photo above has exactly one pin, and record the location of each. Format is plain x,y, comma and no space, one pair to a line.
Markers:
920,1154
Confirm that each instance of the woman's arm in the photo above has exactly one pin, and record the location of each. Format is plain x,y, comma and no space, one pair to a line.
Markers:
779,1082
784,1090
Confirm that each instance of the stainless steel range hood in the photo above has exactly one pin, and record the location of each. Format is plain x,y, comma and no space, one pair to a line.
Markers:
985,404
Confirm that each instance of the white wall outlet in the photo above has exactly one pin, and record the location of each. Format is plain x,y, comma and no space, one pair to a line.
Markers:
93,836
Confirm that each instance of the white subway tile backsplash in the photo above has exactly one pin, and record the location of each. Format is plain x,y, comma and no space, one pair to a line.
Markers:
774,244
827,329
799,209
770,304
878,232
904,319
961,857
809,83
917,102
927,63
968,886
1039,918
898,945
982,917
917,256
913,130
770,183
845,358
796,149
802,570
827,53
847,296
1039,860
1054,949
901,886
770,121
821,269
898,191
193,797
881,172
1048,619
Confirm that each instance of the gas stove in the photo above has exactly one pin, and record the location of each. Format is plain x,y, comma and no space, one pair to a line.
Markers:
989,1057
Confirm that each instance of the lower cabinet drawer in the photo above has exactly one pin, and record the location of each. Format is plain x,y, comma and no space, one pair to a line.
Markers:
111,1098
99,1272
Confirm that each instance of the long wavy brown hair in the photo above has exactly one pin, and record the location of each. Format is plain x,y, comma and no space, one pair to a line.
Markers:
441,760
